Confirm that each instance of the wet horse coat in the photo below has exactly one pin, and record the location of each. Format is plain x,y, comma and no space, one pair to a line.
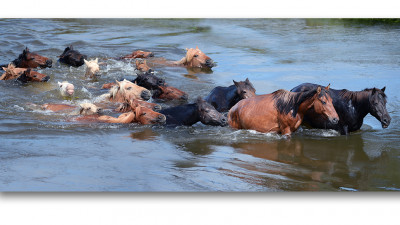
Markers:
281,111
31,60
190,114
224,98
351,106
72,57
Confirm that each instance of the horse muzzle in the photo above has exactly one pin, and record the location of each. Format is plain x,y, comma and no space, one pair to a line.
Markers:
45,79
145,95
210,63
334,120
49,63
386,122
161,119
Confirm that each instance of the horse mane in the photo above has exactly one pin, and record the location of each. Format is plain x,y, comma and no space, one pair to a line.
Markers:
358,96
120,87
286,101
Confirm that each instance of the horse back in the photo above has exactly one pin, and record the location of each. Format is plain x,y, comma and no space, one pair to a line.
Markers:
222,98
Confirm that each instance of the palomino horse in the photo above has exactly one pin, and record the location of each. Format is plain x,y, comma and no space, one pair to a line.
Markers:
351,106
72,57
142,67
281,111
31,60
138,54
196,58
92,67
125,90
23,75
190,114
224,98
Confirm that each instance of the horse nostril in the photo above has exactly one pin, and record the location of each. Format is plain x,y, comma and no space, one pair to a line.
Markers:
184,97
151,55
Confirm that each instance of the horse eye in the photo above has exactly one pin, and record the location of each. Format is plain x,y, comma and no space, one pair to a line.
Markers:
244,92
196,55
323,103
89,108
143,114
129,88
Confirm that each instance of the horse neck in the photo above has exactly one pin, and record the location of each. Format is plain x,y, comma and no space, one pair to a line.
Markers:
304,106
232,95
193,115
359,100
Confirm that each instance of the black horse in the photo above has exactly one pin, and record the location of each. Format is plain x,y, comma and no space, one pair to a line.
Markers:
149,81
224,98
190,114
351,106
72,57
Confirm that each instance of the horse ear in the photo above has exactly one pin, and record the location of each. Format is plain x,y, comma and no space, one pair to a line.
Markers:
118,83
383,89
189,56
86,62
186,49
236,83
247,80
26,50
327,87
318,90
197,48
71,47
96,60
373,91
5,69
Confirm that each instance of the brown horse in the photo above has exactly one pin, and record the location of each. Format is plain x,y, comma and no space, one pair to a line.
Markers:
138,54
143,67
125,90
169,93
141,115
281,111
23,75
82,109
31,60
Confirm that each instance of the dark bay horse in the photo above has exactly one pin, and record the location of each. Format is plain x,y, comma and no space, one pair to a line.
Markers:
149,81
351,106
281,111
224,98
72,57
31,60
190,114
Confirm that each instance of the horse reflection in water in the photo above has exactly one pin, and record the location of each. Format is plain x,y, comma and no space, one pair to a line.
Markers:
309,167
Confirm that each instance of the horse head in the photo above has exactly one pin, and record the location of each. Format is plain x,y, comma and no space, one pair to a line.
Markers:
245,89
92,67
322,103
144,115
171,93
196,58
377,101
127,90
32,60
209,115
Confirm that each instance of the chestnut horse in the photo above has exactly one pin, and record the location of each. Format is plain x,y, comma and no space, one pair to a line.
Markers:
141,115
72,57
83,109
23,75
224,98
128,106
125,90
190,114
169,93
351,106
281,111
138,54
31,60
142,67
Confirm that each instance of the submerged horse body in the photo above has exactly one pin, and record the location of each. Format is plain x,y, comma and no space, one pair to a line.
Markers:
190,114
351,106
281,111
224,98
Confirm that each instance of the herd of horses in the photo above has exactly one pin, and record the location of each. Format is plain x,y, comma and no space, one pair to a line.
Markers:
236,106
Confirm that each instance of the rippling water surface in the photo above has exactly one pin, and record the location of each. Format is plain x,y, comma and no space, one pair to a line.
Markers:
43,151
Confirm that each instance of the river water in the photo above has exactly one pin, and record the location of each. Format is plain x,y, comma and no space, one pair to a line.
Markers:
44,151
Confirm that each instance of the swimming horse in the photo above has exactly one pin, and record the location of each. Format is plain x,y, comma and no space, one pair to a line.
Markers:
351,106
281,111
